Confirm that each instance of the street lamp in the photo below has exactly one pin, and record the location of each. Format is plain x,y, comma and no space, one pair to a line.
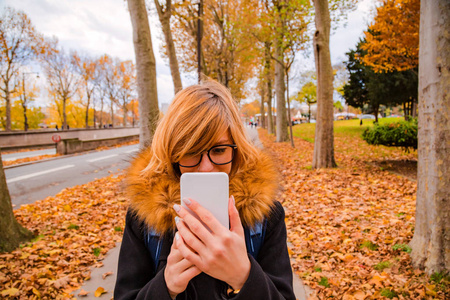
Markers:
24,103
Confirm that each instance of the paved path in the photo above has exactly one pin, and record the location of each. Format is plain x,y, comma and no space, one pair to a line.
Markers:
110,263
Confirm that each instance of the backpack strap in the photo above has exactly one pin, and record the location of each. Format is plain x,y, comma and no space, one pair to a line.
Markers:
254,238
153,242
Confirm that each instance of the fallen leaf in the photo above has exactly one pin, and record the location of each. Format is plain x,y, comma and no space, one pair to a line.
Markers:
106,274
10,292
99,292
83,293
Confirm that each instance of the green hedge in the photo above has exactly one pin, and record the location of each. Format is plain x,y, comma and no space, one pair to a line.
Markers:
402,134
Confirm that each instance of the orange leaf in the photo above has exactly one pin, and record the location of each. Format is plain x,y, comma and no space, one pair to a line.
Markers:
99,291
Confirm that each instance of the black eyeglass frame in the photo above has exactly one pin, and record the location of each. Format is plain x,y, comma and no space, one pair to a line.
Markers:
233,146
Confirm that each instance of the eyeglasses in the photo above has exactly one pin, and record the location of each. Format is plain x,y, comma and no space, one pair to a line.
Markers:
218,155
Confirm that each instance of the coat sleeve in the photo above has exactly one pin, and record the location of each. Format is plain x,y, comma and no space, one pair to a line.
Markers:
135,270
271,274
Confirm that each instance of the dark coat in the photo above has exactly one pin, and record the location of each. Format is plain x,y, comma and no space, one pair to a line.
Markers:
254,190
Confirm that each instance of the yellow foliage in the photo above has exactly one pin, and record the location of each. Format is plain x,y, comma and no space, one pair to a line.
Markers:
392,41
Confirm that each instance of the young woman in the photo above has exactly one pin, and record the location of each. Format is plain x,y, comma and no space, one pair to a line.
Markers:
202,132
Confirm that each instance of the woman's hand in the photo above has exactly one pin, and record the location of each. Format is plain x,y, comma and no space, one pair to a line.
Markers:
221,253
179,271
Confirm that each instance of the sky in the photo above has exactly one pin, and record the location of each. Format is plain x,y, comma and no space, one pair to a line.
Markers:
96,27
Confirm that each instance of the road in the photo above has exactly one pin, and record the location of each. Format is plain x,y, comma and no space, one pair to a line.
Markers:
36,181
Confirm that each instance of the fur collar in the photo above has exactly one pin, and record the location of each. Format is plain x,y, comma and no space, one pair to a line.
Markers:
153,195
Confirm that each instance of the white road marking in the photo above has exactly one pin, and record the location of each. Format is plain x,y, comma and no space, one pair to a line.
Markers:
39,173
100,158
131,151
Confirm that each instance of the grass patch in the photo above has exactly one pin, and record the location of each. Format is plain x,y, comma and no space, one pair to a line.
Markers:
318,269
402,247
388,293
440,277
97,251
324,282
382,265
118,229
369,245
73,226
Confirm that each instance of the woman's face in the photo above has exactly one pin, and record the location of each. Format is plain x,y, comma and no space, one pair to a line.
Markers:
206,165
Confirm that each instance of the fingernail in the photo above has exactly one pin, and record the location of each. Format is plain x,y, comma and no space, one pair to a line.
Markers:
176,207
177,219
187,201
177,236
234,201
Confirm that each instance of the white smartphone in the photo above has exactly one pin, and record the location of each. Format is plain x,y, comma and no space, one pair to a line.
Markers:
210,189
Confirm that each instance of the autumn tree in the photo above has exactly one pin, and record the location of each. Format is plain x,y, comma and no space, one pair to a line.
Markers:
257,28
101,84
60,70
431,241
27,93
146,71
86,68
227,53
12,233
392,40
127,81
308,95
165,13
110,81
20,44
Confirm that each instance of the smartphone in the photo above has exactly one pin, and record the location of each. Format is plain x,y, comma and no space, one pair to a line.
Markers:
210,190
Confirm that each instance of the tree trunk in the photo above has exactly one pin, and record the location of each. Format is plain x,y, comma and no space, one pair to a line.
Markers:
280,89
101,113
269,107
375,109
309,112
125,112
112,112
146,71
8,108
431,242
64,114
87,117
25,118
324,138
12,233
267,73
289,109
262,119
164,18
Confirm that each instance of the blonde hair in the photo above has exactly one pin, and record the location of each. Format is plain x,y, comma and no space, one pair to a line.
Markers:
196,119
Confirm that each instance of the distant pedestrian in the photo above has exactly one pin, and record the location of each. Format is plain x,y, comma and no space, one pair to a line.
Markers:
360,122
56,127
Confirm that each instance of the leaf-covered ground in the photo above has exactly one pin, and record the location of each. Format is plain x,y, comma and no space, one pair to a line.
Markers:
350,226
76,228
19,161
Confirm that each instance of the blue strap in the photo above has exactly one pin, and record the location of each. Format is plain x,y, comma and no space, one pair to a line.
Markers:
254,238
153,242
